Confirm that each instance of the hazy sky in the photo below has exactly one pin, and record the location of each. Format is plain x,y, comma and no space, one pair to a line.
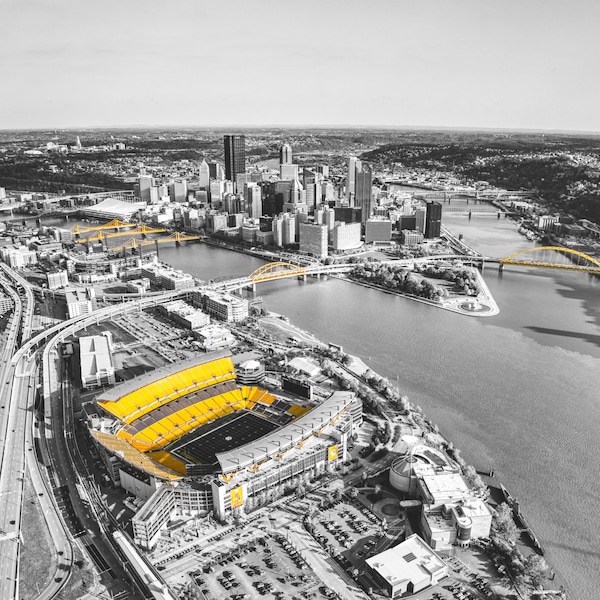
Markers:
453,63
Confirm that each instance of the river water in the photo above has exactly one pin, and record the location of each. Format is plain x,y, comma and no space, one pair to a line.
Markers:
517,392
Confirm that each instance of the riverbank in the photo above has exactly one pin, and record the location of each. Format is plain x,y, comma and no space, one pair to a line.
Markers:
482,305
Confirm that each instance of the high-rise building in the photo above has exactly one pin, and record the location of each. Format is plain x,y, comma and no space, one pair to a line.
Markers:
235,156
353,164
215,170
420,219
433,219
312,187
284,230
204,176
253,197
285,155
313,239
346,236
144,185
288,172
363,194
378,230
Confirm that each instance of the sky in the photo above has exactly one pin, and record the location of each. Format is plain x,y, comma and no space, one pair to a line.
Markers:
503,64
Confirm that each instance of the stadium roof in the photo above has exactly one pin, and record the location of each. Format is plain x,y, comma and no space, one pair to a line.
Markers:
286,437
119,391
112,207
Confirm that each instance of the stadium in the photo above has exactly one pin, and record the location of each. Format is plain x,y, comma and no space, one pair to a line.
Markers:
190,438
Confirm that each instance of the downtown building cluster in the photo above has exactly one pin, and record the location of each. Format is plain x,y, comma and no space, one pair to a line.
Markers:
310,210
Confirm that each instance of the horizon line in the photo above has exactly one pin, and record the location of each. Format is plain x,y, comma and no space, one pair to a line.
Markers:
434,128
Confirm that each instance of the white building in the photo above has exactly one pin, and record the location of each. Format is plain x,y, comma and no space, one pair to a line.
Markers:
17,257
222,306
96,363
346,236
407,568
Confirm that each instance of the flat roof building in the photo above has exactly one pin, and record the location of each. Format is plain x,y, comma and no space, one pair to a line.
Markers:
407,568
96,363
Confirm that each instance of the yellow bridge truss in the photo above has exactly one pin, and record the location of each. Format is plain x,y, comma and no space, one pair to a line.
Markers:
135,243
114,224
592,267
276,270
138,230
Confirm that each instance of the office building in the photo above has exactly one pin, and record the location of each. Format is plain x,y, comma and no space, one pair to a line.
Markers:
346,236
347,214
433,219
253,198
411,238
312,187
235,156
363,194
178,190
353,163
204,175
420,220
215,171
313,239
285,155
407,222
222,306
378,230
284,230
288,172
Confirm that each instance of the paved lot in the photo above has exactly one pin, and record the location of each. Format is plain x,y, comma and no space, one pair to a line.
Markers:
268,567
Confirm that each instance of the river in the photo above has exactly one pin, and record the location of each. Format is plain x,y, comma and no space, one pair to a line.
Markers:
517,392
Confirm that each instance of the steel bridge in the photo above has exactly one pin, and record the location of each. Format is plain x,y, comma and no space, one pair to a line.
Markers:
135,243
99,236
572,260
114,224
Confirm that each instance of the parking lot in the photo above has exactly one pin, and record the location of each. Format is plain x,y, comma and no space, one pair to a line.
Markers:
268,567
350,529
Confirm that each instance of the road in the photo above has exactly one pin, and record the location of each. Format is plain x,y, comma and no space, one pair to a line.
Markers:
17,392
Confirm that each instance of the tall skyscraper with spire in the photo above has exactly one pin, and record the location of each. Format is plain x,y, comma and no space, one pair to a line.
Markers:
235,156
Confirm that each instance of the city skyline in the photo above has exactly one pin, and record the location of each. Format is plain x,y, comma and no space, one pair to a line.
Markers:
474,65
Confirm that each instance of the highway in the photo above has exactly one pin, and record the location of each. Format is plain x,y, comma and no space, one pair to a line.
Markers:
17,393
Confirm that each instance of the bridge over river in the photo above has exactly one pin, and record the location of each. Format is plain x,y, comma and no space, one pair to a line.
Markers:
549,257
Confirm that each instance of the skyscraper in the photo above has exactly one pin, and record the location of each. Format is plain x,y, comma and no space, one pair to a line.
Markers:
204,174
235,156
433,219
285,155
353,164
362,190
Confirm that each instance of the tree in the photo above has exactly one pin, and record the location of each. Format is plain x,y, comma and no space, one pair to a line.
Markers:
536,567
504,524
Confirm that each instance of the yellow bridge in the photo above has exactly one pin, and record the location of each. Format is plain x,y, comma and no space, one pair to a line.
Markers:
99,236
276,270
114,224
135,243
569,259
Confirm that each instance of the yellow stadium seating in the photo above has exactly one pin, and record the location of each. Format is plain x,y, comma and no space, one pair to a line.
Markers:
136,404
